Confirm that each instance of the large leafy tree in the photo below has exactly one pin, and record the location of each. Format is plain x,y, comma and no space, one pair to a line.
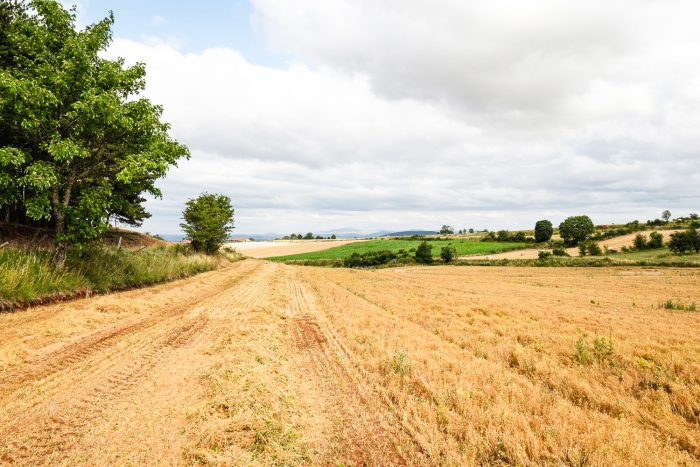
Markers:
576,229
208,221
77,143
543,231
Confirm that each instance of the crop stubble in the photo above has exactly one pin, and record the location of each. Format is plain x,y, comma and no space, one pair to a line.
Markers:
263,363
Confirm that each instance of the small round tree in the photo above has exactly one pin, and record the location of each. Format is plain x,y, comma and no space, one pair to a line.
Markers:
575,229
424,253
208,221
543,231
448,253
666,215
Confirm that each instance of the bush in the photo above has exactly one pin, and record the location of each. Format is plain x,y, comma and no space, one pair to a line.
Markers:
371,258
640,242
424,253
208,221
684,241
559,252
576,229
543,231
589,248
448,253
544,255
656,240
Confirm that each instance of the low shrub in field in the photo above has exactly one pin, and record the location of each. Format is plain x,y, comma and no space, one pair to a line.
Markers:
543,255
682,242
640,242
424,253
372,258
448,253
656,240
671,305
589,248
559,252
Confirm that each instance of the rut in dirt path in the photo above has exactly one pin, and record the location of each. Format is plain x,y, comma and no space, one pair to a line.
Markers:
370,431
51,405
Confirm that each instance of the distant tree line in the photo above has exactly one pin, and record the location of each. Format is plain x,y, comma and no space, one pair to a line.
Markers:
308,236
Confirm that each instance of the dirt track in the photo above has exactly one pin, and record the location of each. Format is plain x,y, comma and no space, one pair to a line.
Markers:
268,364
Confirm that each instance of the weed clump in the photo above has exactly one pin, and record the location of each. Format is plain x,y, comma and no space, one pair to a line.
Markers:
671,305
601,351
399,364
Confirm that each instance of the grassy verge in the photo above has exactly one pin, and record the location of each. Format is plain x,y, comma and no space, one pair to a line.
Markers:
463,247
30,276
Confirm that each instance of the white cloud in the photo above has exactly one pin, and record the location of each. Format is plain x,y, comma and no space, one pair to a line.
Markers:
408,114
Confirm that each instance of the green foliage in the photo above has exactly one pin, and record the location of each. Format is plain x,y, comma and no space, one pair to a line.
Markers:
399,363
559,252
308,236
575,229
448,253
371,258
656,240
30,275
601,351
589,248
671,305
581,353
682,242
640,242
543,231
208,221
447,230
462,246
666,215
543,255
77,144
424,253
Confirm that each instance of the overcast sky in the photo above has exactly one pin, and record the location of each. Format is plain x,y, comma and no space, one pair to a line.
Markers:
374,114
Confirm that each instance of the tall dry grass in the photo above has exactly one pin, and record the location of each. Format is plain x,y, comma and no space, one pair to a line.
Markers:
29,275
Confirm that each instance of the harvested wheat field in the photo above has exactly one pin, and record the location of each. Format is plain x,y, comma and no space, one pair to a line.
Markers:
269,249
267,364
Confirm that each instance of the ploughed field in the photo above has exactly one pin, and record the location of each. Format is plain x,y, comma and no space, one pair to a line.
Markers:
463,247
262,363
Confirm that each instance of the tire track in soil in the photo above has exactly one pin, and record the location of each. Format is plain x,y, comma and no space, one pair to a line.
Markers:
369,430
86,346
62,420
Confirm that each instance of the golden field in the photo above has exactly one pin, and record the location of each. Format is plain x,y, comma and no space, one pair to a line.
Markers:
267,364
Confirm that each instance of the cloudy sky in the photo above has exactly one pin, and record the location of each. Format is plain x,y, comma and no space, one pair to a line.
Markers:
374,114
